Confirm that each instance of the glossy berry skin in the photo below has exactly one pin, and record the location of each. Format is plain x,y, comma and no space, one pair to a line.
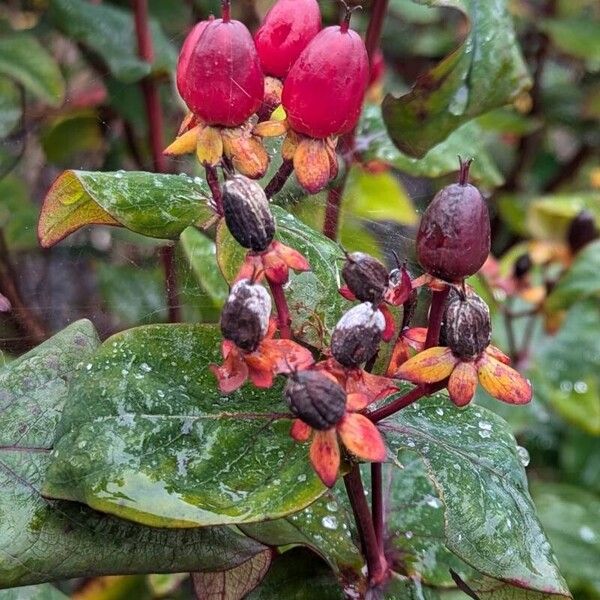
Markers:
287,29
212,58
316,399
453,240
324,90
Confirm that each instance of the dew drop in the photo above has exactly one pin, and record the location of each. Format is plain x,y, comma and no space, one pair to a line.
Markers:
409,535
332,506
440,411
329,522
587,534
485,425
524,457
485,433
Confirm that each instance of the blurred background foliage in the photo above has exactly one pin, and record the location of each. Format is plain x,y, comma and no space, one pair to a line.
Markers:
70,98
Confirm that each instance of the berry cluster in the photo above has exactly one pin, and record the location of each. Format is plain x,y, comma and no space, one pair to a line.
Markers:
232,84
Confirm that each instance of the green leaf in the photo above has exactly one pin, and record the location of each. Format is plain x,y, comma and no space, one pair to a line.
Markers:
18,214
201,253
375,144
45,591
159,206
313,298
570,516
473,463
549,217
10,106
577,37
325,527
25,60
298,575
42,540
579,282
566,371
109,32
486,71
579,459
146,436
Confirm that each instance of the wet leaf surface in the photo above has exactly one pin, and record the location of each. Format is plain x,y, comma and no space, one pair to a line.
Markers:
146,436
486,71
44,591
42,540
159,206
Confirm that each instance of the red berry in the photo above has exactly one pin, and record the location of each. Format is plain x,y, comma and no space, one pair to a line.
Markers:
324,90
219,75
287,29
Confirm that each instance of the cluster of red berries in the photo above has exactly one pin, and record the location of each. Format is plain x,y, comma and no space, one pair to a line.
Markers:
232,83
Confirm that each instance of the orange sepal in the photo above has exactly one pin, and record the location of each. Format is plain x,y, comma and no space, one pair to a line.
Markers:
184,144
312,165
189,122
390,324
261,378
330,145
415,337
503,382
270,128
462,383
375,387
290,145
361,437
293,259
276,269
300,431
233,373
325,456
498,354
356,402
429,366
400,354
210,146
252,268
246,152
287,356
399,293
346,293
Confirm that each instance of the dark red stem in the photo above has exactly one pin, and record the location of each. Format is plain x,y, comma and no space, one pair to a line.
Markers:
283,173
212,179
376,562
465,166
377,504
226,10
332,210
436,315
375,27
415,394
155,127
283,313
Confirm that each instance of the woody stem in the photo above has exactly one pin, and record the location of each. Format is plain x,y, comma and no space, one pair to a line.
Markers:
376,562
409,398
436,315
377,503
283,173
283,312
212,179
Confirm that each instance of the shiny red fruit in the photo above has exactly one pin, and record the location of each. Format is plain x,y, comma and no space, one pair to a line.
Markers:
324,90
287,29
219,75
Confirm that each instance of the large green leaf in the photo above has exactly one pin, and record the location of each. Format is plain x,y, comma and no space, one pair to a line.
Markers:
159,206
26,61
467,140
485,72
570,516
109,31
146,436
44,591
579,459
580,281
489,518
313,298
577,37
42,540
566,371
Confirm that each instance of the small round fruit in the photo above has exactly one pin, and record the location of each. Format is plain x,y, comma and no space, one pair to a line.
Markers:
219,75
247,213
467,325
287,29
324,90
453,240
357,335
366,277
316,399
582,231
245,316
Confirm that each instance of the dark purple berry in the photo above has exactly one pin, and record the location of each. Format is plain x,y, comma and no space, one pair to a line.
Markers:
316,399
365,277
467,325
357,335
245,316
522,266
582,231
453,240
247,213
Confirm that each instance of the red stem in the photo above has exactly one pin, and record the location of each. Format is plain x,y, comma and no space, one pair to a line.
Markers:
436,315
377,504
283,173
283,312
376,562
155,128
415,394
332,210
375,27
226,10
215,187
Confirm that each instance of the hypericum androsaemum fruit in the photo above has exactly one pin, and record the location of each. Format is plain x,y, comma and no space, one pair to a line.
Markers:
287,29
322,96
467,325
357,335
220,79
247,213
245,316
582,231
316,399
453,240
365,277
